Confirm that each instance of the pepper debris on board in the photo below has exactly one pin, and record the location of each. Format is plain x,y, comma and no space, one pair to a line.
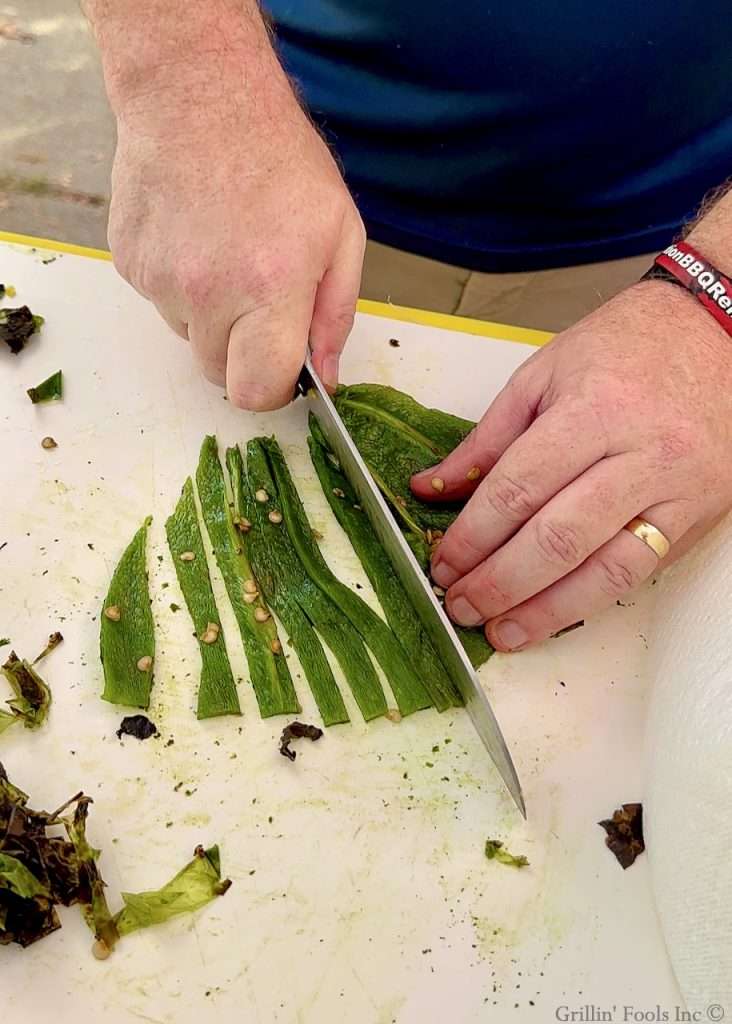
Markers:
625,833
39,872
53,641
32,697
297,731
495,850
138,726
17,326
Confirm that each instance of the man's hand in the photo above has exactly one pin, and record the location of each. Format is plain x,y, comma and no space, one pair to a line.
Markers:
228,212
628,413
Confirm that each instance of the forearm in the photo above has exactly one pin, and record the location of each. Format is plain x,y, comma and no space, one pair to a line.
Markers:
192,50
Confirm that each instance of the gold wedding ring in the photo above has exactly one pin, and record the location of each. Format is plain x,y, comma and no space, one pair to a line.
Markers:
650,535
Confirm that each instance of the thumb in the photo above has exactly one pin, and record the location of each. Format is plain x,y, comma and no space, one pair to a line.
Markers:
266,350
335,302
510,414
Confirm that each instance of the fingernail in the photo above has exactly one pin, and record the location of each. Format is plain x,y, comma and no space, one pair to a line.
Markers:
427,474
462,611
330,371
443,573
510,634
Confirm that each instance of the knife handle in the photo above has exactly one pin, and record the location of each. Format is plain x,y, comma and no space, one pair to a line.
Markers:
305,380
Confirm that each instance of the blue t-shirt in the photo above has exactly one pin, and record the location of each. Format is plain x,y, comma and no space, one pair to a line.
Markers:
517,136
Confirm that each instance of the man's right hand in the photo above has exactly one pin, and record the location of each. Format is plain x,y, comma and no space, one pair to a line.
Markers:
229,213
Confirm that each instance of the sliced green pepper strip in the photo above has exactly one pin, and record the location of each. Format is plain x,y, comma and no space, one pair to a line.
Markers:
284,583
267,664
217,691
397,437
392,596
328,618
129,635
408,689
50,390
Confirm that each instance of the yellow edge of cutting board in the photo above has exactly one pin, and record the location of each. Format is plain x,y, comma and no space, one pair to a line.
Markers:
483,328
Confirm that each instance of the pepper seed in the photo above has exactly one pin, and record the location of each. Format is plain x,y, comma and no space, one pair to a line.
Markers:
100,949
275,516
393,715
145,663
438,591
113,613
187,556
338,492
261,614
473,473
48,443
211,633
276,646
438,484
250,587
261,496
243,524
251,598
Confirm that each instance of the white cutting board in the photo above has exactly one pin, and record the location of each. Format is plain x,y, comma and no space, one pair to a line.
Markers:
361,892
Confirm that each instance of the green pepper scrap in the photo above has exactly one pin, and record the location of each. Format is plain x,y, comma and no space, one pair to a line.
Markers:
32,697
50,390
494,850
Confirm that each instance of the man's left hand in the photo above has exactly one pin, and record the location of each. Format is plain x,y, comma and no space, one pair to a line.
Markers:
628,413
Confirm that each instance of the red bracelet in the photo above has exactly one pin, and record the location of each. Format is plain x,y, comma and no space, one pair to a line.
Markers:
682,264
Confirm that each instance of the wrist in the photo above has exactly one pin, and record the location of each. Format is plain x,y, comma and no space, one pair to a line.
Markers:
671,303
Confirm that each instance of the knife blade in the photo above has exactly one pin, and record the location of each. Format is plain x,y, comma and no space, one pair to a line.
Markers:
432,616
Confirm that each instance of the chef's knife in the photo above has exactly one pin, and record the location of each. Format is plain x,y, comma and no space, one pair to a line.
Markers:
436,624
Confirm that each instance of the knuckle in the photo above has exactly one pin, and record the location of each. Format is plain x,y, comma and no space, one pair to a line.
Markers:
342,319
559,543
268,271
252,398
510,499
616,578
676,444
195,284
214,370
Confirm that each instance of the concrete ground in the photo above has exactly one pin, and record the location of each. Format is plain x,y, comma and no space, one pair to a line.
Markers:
56,130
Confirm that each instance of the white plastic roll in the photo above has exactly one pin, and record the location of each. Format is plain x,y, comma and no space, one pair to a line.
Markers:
688,805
